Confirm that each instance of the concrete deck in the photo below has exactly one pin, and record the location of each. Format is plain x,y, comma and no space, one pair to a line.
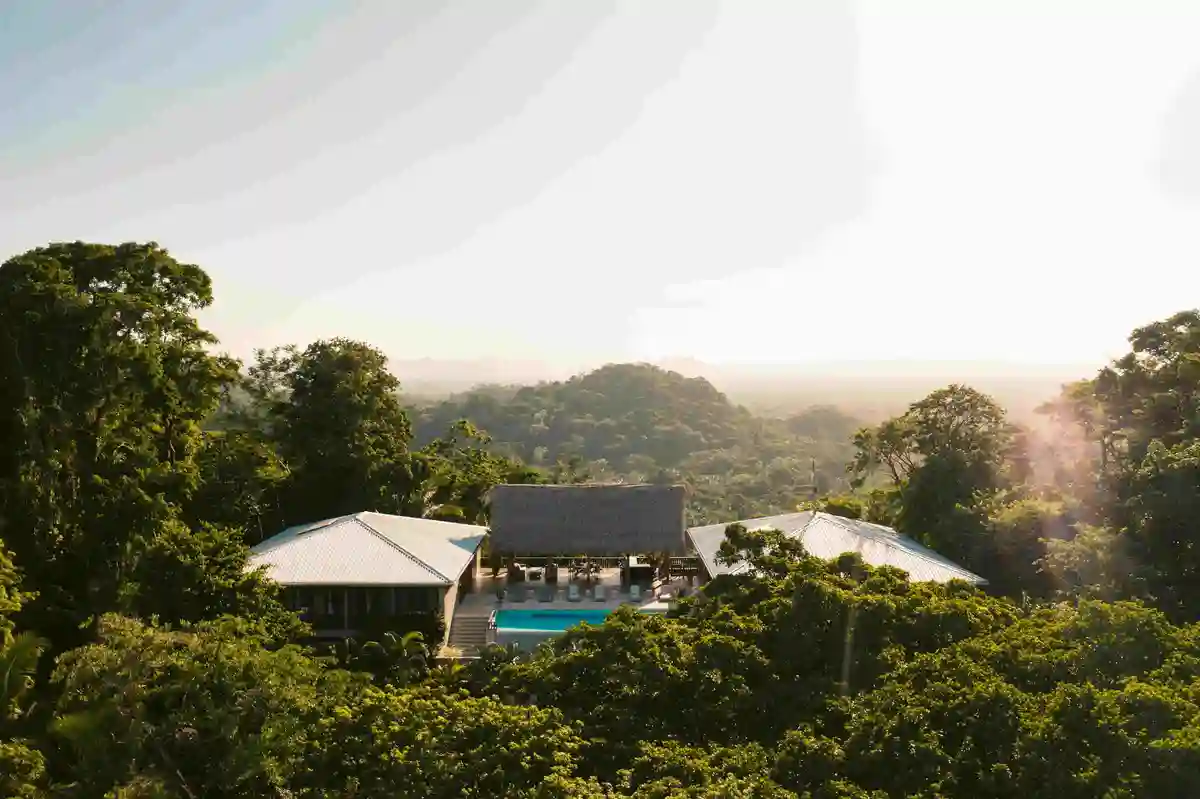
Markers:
482,601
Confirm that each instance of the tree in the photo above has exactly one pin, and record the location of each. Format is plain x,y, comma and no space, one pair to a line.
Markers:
1153,392
242,482
200,711
202,574
1093,564
395,660
945,456
670,770
436,745
1162,512
1143,412
954,425
336,418
452,475
105,379
21,766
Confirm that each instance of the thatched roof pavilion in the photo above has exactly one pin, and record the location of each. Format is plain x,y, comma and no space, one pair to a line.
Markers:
597,520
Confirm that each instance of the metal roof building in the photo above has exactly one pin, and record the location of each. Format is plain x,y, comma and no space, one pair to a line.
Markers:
370,549
827,536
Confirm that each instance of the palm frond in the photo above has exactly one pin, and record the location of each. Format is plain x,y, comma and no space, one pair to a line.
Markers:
18,663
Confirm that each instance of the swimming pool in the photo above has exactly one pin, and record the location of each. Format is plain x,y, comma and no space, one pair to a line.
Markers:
549,620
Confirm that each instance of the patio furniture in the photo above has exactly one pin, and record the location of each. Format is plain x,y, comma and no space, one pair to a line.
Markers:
635,592
573,592
599,593
520,593
545,594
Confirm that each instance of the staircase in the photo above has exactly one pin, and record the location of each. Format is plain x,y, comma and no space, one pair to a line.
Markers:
469,634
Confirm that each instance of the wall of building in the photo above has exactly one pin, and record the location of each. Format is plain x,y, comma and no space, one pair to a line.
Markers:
449,603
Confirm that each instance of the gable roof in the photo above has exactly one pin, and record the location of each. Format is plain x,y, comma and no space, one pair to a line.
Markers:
827,536
369,549
601,520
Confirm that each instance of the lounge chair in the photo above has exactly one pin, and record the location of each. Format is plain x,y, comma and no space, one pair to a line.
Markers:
573,592
520,593
599,594
635,592
545,594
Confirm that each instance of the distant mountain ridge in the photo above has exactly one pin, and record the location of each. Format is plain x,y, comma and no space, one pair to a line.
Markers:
867,389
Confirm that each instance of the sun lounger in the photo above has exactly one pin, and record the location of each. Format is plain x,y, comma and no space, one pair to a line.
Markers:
599,594
545,594
635,592
573,592
519,593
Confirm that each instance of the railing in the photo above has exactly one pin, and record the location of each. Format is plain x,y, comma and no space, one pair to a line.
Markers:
682,562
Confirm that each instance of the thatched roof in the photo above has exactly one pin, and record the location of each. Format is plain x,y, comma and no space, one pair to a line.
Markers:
601,520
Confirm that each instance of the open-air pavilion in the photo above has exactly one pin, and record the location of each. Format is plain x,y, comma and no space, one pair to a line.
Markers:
557,551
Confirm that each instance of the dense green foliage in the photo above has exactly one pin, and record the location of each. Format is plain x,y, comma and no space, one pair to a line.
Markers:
638,423
140,658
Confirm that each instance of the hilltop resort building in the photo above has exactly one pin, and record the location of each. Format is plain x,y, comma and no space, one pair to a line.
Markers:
557,556
353,574
827,536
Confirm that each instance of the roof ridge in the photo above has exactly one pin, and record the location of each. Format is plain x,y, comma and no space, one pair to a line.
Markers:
400,549
321,524
294,531
924,553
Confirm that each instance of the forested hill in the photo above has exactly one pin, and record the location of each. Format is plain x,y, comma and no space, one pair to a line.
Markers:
144,659
641,422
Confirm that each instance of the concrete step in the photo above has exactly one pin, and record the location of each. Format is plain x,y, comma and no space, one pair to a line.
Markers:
469,627
468,632
459,634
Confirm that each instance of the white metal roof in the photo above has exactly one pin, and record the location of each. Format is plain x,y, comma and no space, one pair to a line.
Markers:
369,549
827,536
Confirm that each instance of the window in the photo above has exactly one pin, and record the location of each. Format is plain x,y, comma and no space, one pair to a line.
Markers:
368,601
416,600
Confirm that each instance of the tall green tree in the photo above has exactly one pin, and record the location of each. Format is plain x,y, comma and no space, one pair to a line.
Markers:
242,483
944,456
336,417
1153,392
105,379
1143,414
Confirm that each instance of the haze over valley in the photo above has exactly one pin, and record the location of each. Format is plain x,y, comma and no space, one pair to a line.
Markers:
599,399
868,390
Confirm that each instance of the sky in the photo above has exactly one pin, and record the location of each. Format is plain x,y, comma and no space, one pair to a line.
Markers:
764,181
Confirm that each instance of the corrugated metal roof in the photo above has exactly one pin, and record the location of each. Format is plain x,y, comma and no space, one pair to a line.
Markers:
369,549
827,536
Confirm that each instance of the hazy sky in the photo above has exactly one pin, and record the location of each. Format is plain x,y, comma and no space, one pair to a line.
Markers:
726,179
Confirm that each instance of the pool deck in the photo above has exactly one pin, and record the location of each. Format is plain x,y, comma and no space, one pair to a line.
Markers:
482,601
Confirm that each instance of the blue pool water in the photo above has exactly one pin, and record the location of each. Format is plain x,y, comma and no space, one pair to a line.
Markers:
549,620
